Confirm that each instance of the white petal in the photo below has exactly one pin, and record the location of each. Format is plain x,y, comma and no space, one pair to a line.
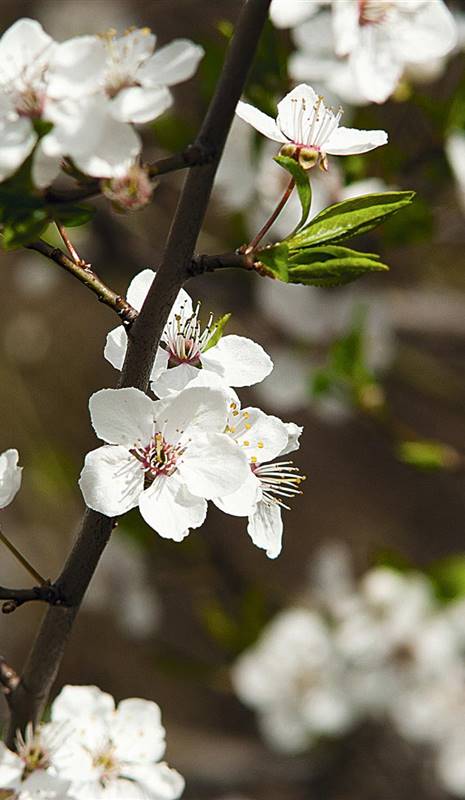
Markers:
349,141
160,365
21,45
171,64
75,701
17,140
79,125
265,528
76,67
288,120
192,411
239,361
260,121
242,502
117,148
261,436
138,105
213,465
122,416
288,13
115,347
346,26
375,66
139,287
10,476
170,509
137,732
44,168
11,767
294,433
159,781
171,381
434,30
111,480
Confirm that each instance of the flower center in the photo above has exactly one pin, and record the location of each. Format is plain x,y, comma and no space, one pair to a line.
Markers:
32,751
30,102
185,340
310,130
372,12
106,762
158,457
278,480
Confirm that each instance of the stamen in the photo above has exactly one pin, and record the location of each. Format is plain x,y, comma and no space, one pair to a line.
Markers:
278,480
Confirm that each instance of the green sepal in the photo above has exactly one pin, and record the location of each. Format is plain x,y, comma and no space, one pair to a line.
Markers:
349,218
218,331
275,260
302,182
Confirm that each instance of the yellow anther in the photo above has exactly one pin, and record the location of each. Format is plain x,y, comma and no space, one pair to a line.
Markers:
253,460
246,443
245,414
235,413
232,429
248,426
233,405
260,444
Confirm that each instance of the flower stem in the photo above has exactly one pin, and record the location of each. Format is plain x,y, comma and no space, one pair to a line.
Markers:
70,247
261,233
22,560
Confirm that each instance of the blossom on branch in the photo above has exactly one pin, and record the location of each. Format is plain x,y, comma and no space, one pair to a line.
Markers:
168,457
186,348
10,476
309,130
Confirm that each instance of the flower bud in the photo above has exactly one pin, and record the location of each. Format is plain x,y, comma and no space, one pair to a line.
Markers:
131,191
289,150
309,157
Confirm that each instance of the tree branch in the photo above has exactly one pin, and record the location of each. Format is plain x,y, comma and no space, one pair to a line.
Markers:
28,699
85,274
193,156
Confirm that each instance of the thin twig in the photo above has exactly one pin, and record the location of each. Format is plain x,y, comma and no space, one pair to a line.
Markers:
22,559
86,275
193,156
274,216
30,697
45,593
70,247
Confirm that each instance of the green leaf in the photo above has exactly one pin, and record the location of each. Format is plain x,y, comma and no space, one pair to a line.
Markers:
349,218
448,577
24,228
72,216
331,266
218,330
275,260
302,182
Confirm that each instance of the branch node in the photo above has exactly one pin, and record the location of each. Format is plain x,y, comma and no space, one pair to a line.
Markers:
9,679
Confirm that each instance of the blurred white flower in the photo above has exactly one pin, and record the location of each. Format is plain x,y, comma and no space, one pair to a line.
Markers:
112,752
287,13
293,678
27,774
10,476
123,588
186,348
455,151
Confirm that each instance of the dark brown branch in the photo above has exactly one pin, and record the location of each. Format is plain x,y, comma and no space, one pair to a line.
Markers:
46,593
89,278
9,679
193,156
29,698
206,263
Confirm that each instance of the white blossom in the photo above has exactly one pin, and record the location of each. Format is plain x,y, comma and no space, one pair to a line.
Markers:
28,773
167,457
269,485
292,677
10,476
287,13
112,752
186,347
305,123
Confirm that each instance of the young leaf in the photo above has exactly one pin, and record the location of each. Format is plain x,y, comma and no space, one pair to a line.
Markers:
275,260
302,182
349,218
219,327
24,228
72,216
331,266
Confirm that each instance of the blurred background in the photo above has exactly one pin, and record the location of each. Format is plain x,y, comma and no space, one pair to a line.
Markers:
373,372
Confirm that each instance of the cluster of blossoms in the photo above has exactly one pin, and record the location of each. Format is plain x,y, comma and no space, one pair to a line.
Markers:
89,750
384,649
361,49
81,98
194,443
